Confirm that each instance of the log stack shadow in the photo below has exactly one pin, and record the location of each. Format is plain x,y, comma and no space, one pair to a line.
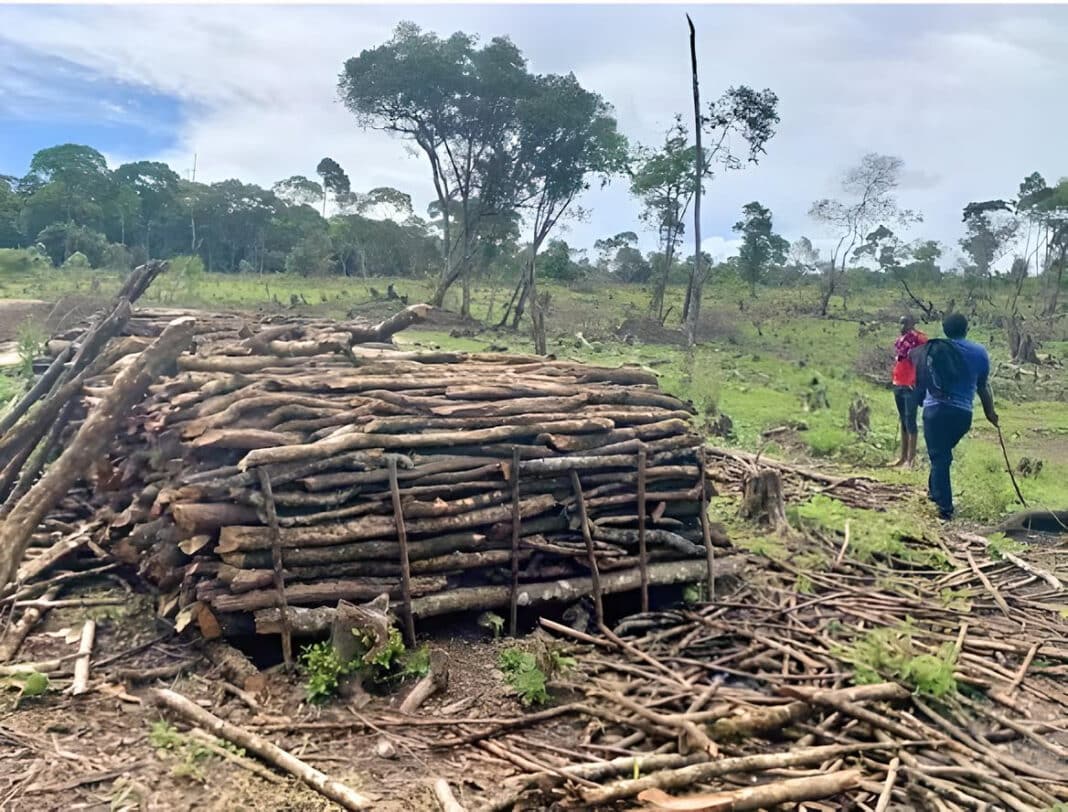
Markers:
285,464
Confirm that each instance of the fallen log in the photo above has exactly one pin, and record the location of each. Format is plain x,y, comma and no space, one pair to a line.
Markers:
271,753
793,790
702,773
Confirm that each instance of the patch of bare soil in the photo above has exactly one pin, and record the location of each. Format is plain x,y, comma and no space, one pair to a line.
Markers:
100,751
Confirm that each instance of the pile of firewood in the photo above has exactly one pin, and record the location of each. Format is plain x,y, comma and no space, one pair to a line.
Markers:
285,464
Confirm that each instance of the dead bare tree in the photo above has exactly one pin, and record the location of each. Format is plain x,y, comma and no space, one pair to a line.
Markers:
870,185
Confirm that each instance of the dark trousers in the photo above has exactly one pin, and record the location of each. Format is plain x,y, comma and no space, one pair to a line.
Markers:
908,401
943,428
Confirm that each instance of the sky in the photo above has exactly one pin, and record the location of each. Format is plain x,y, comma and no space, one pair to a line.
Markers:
970,97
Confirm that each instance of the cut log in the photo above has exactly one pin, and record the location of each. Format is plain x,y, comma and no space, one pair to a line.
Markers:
253,743
238,539
466,599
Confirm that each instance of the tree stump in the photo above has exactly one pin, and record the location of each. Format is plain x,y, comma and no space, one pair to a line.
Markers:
860,417
1022,344
762,499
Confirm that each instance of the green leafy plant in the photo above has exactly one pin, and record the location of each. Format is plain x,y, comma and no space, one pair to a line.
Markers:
889,653
521,671
189,753
323,670
693,593
30,685
493,622
998,544
30,344
528,673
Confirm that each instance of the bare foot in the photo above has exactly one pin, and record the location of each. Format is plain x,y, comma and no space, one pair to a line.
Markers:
897,464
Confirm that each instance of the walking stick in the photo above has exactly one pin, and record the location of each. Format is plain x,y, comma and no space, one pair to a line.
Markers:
1008,467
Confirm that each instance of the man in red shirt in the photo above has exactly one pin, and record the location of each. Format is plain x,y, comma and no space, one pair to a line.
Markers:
906,397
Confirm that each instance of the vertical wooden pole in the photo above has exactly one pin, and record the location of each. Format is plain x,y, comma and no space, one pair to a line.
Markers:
697,280
595,574
643,553
276,562
402,541
514,597
706,530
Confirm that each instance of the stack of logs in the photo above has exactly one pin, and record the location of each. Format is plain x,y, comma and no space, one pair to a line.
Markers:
288,464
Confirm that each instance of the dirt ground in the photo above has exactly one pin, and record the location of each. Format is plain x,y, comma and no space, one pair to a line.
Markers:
98,751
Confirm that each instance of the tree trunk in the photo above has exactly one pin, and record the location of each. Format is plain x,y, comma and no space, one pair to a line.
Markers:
762,499
693,290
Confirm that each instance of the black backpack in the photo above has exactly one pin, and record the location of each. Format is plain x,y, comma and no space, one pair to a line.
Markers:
940,367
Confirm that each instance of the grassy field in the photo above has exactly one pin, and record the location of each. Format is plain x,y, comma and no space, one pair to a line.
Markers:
765,363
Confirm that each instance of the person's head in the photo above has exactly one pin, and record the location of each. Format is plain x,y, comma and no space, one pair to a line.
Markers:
907,323
955,325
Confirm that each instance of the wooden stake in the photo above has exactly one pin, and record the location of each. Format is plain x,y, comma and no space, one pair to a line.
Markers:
81,665
402,540
320,782
643,553
516,521
595,575
706,530
276,561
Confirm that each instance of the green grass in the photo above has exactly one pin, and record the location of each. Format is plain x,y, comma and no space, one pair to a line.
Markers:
765,359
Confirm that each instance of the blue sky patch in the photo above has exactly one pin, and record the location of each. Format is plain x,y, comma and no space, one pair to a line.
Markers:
46,100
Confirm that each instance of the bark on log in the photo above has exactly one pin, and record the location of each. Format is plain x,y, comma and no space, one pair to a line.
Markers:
240,539
322,592
94,435
441,439
493,597
235,666
765,796
702,773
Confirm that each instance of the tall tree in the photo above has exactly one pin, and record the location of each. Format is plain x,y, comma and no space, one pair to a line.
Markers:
154,187
869,187
298,190
664,183
739,125
608,247
990,231
335,180
10,205
457,103
761,246
566,135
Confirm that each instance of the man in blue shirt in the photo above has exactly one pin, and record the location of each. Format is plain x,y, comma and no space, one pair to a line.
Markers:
947,404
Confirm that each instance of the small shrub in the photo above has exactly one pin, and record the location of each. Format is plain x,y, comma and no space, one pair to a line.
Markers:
521,671
190,754
889,653
324,669
76,262
30,344
998,544
493,622
183,276
528,674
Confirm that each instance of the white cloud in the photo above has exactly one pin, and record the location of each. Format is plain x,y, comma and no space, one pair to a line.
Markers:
968,96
